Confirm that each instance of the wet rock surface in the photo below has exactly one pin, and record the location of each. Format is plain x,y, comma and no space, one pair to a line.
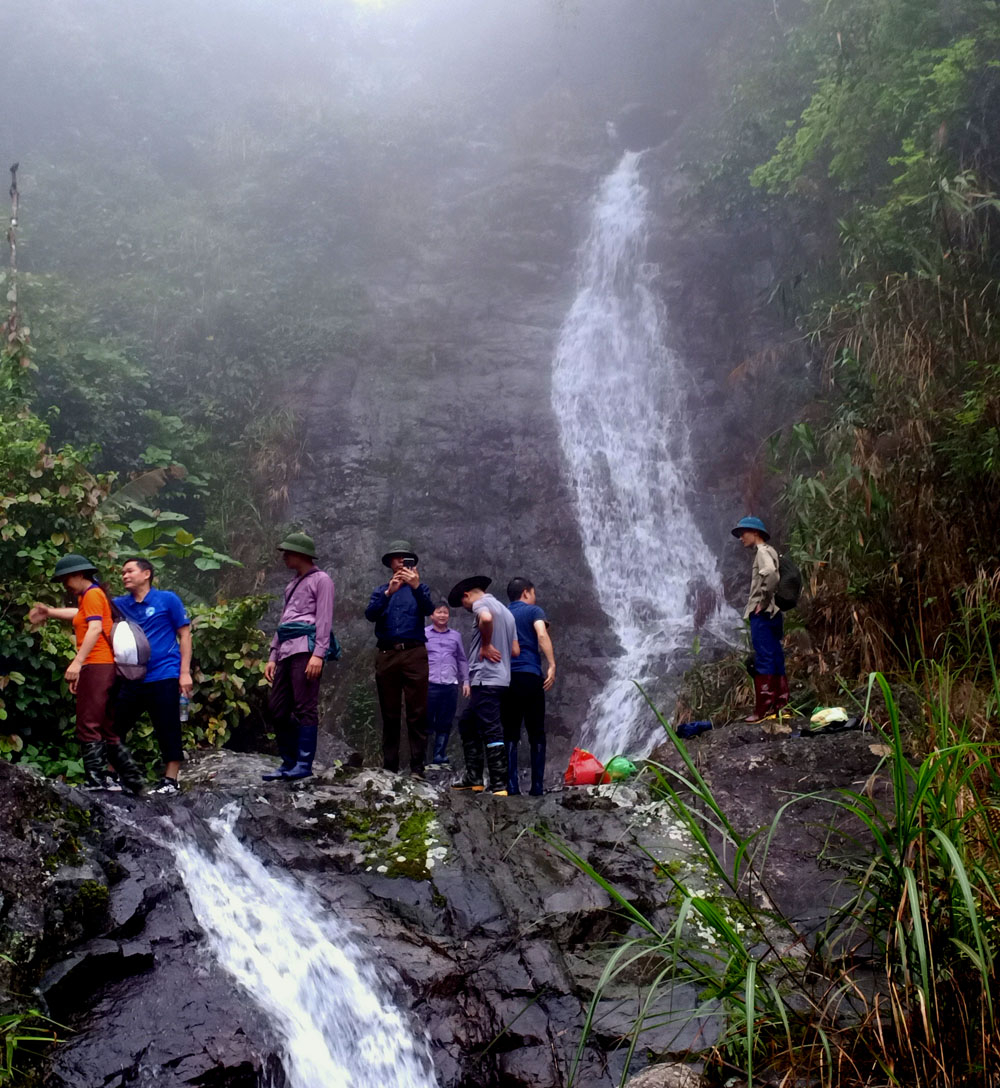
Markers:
755,770
489,937
484,931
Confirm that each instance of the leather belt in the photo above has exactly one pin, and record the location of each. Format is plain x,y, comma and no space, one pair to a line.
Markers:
404,644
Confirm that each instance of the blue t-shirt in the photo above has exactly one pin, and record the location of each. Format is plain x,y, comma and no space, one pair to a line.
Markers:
160,613
530,659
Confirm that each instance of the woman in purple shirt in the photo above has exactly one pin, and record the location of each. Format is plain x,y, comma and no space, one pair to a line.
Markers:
447,667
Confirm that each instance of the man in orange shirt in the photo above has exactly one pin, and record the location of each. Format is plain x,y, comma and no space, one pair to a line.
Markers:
91,674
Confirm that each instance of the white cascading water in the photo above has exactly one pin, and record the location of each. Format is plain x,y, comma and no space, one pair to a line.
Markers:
618,395
304,968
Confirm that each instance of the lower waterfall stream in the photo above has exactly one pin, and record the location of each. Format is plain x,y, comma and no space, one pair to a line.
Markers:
303,968
618,393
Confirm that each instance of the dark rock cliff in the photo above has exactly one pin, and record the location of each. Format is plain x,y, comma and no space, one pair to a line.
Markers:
492,939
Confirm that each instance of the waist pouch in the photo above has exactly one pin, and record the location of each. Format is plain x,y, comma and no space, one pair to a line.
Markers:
288,631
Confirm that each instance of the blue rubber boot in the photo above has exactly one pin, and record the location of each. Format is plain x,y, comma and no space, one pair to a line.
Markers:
307,753
537,769
289,752
513,786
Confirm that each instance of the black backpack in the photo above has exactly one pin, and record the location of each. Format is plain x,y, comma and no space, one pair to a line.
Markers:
789,588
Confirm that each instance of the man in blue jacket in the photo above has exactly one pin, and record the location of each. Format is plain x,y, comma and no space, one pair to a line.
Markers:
397,608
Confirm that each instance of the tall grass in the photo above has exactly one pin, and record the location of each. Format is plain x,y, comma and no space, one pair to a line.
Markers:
900,988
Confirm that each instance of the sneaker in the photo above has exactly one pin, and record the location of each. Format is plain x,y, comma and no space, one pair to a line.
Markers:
498,793
167,788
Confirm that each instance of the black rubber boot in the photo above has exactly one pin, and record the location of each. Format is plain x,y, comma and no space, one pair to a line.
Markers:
128,772
95,765
513,785
537,769
307,753
496,763
473,777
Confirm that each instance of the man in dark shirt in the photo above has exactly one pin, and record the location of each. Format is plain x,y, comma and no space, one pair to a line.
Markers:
397,609
524,700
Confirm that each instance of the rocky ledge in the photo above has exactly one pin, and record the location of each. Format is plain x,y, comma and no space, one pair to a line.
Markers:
489,935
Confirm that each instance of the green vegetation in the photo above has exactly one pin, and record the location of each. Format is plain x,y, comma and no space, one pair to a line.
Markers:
21,1031
54,501
919,860
870,130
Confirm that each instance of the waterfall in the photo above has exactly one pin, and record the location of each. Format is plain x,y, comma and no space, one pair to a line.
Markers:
304,968
618,394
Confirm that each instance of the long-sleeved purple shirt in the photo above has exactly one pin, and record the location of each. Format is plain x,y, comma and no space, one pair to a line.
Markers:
308,599
446,660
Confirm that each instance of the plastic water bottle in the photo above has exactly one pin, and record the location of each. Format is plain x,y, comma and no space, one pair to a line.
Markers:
184,707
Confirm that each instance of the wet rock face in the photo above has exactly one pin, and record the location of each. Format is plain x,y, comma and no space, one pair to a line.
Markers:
491,935
753,773
439,428
99,929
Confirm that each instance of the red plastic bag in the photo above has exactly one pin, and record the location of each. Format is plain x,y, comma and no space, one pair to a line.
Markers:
584,769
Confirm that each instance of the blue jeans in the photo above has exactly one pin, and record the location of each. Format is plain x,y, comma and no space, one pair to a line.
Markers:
766,633
442,701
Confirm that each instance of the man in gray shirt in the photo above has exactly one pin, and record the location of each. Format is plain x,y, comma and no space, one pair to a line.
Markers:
494,642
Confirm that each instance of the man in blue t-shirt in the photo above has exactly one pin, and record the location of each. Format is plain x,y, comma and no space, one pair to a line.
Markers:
524,700
162,617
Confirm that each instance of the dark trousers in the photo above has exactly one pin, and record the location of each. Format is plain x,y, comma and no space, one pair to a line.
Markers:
480,720
766,633
442,702
293,702
160,699
524,701
95,705
402,674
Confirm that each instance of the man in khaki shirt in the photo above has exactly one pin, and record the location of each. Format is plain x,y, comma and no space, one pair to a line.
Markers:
766,621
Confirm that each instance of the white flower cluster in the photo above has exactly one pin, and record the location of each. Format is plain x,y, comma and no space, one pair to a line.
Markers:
435,852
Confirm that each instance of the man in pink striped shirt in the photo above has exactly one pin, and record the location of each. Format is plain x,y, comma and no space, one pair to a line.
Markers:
295,664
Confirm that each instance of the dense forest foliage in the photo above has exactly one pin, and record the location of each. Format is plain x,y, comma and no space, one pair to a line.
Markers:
874,129
211,239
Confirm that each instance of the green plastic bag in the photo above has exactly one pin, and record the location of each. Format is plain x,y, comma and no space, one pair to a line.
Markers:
618,770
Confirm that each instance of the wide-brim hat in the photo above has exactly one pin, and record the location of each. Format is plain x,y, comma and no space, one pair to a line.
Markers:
754,525
459,589
72,564
402,548
300,543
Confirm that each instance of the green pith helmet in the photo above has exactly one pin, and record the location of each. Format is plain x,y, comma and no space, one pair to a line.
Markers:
402,548
300,543
72,564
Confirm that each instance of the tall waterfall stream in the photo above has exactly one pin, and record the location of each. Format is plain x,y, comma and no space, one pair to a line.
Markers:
618,393
303,967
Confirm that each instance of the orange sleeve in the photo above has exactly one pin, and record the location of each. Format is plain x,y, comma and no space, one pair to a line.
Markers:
94,605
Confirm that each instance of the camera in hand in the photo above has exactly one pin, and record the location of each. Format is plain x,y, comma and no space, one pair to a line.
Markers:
409,563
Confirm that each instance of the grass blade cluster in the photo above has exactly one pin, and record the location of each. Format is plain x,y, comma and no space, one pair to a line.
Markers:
900,986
